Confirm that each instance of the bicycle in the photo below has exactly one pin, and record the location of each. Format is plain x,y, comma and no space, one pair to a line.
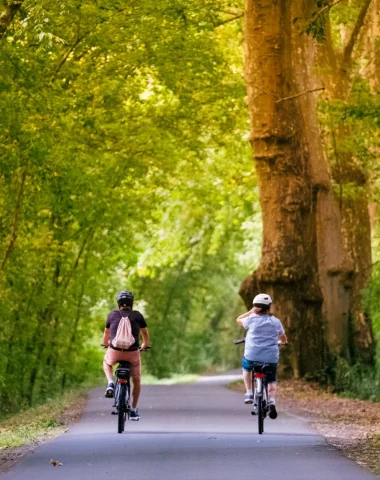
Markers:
260,385
122,393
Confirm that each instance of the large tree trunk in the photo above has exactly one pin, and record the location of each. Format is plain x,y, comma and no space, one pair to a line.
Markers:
352,196
333,266
289,265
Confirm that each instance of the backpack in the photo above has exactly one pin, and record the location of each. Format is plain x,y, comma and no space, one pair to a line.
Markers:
124,338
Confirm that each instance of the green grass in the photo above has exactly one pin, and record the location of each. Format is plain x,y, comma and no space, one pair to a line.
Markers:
40,422
173,380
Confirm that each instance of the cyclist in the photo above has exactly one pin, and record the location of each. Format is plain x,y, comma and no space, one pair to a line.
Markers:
115,355
261,346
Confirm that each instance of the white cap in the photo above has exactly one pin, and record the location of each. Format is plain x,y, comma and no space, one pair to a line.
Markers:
263,299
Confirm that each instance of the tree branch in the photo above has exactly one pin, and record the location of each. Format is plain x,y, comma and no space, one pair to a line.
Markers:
299,94
15,222
327,7
8,14
71,49
270,94
348,49
240,15
279,99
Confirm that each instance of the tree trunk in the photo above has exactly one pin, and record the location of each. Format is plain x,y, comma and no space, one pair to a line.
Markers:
7,14
333,265
352,198
289,265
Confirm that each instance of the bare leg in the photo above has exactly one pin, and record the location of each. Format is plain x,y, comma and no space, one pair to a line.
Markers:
108,371
247,377
272,389
136,389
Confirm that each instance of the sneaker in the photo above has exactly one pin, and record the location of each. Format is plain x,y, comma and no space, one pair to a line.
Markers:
248,398
134,415
272,411
110,390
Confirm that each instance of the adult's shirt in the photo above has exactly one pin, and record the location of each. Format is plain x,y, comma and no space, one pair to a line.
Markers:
261,341
137,321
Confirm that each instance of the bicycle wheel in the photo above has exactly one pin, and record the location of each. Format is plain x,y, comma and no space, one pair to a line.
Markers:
260,415
121,410
127,402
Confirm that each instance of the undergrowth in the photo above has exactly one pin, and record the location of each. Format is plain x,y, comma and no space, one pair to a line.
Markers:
43,421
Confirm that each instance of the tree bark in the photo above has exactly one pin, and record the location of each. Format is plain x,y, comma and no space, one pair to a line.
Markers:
353,199
335,268
289,265
7,14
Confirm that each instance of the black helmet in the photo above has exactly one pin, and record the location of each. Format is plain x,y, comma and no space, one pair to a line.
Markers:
125,298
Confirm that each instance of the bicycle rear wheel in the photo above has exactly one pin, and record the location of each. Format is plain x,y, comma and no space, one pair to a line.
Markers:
260,415
121,410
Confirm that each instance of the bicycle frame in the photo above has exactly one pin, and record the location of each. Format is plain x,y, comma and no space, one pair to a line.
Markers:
122,395
260,397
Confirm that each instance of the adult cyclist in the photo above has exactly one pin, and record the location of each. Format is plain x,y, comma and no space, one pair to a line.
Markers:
132,354
261,346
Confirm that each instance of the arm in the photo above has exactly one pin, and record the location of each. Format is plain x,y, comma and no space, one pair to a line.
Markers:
106,337
146,339
283,338
240,318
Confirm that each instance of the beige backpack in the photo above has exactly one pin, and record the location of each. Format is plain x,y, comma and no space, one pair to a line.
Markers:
124,338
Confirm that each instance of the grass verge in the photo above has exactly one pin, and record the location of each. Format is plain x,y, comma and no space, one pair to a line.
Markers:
173,380
22,432
353,426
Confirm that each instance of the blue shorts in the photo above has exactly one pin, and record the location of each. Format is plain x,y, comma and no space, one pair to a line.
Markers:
271,374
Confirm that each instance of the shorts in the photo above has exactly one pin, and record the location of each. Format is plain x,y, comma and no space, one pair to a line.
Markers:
112,357
271,374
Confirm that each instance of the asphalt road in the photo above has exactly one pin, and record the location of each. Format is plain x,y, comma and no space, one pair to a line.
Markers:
197,431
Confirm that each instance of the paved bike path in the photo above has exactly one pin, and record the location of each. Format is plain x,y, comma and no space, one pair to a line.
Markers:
198,431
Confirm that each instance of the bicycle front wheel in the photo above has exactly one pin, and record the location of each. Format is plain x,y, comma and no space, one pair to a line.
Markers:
121,410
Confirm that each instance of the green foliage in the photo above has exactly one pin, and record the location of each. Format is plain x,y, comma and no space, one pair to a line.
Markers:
356,381
372,302
124,163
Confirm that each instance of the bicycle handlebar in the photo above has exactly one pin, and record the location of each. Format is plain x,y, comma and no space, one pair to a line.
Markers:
242,340
141,350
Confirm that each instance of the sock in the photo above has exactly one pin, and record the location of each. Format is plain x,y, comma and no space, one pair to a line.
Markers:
272,400
134,409
249,392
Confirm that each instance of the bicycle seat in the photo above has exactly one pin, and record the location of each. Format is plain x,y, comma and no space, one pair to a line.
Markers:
123,370
261,368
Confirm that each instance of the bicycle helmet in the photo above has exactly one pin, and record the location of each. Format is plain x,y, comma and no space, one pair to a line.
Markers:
125,298
262,300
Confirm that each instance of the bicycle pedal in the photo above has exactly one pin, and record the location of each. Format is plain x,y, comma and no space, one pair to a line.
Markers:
113,413
253,413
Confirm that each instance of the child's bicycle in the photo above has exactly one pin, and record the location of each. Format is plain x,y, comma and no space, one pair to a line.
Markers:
260,385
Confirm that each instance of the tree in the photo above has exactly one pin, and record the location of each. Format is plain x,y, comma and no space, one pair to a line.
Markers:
304,263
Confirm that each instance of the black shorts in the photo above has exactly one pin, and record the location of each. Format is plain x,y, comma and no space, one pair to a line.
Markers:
271,374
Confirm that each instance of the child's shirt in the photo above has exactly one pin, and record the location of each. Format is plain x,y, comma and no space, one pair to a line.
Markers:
261,341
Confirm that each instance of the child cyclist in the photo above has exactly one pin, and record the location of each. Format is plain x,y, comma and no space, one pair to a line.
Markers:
261,346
